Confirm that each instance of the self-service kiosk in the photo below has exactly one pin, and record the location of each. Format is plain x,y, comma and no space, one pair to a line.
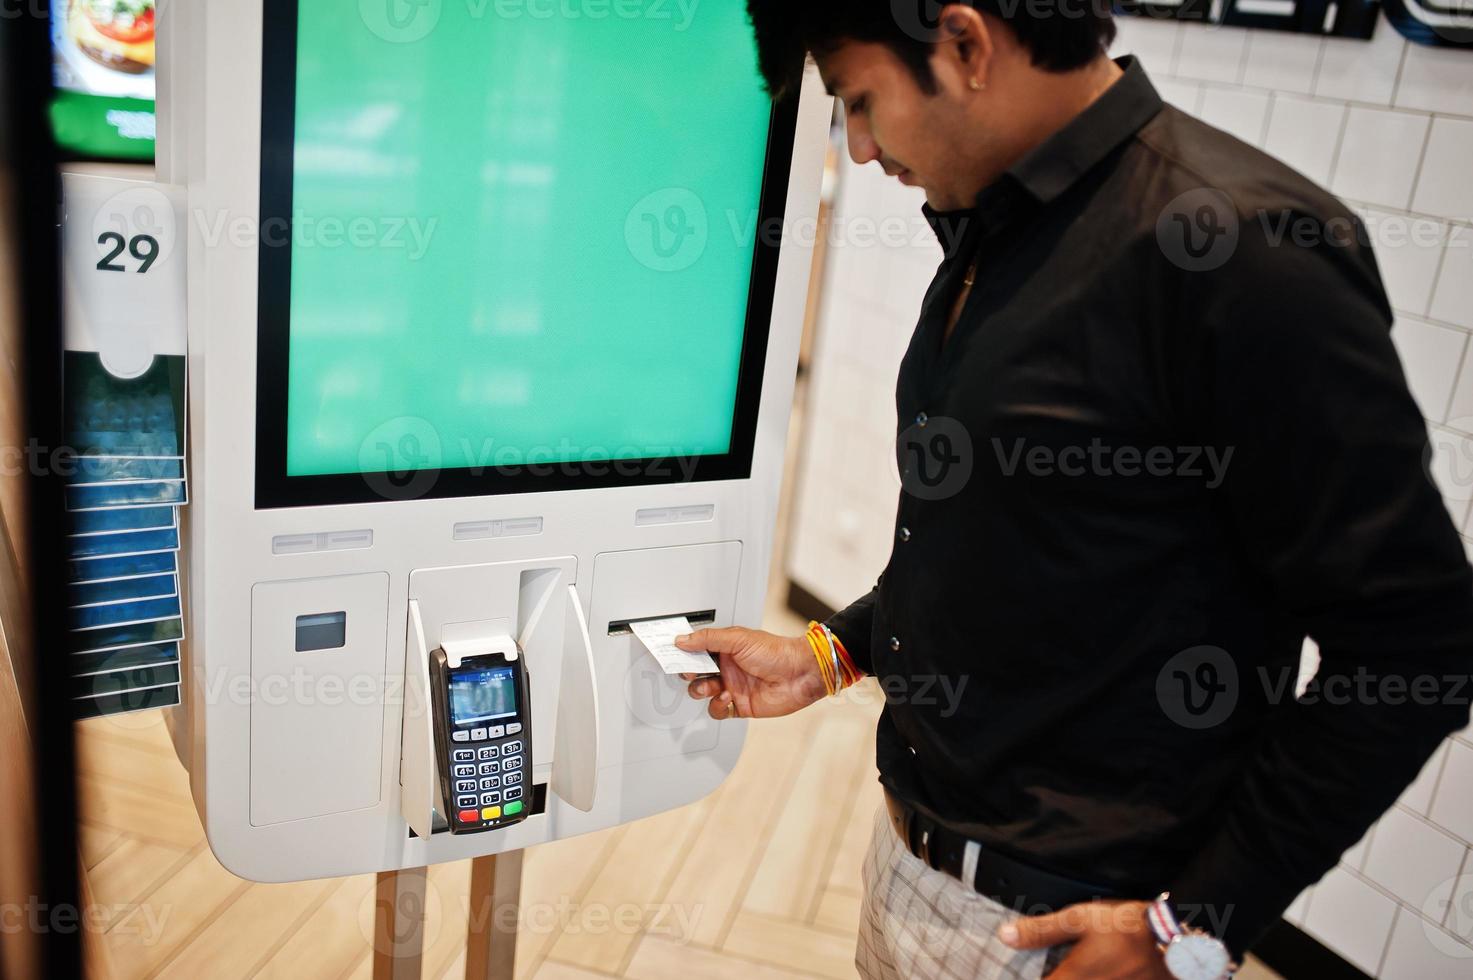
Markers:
493,319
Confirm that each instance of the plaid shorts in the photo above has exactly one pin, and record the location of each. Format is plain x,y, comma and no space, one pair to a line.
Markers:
917,923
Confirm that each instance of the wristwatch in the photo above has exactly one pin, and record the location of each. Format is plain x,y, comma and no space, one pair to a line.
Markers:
1191,954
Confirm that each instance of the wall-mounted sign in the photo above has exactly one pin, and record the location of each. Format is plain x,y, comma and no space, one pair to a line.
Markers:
1347,18
1439,22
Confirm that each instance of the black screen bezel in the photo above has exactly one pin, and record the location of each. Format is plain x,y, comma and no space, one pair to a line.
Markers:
275,489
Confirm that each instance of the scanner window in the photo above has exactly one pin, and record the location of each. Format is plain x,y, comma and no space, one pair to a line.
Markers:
322,631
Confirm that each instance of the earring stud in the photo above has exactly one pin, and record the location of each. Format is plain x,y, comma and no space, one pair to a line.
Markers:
977,86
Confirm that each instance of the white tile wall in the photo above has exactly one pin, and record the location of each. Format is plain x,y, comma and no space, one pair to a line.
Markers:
1452,803
1241,113
1452,469
1435,80
1453,299
1444,186
1213,54
1379,154
1418,796
1279,61
1186,96
1431,355
1356,856
1360,71
1409,251
1421,951
1459,919
1299,908
1352,917
1387,125
1414,860
1305,134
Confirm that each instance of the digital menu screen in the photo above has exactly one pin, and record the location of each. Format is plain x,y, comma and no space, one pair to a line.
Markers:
103,53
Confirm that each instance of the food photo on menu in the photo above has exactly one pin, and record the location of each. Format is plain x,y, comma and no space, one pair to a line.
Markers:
104,64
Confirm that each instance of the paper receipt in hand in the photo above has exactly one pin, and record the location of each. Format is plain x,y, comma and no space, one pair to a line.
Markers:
658,636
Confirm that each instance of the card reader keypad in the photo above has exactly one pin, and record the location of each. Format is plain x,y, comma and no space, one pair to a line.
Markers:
491,776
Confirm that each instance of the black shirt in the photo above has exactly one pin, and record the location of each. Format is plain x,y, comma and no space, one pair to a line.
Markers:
1168,439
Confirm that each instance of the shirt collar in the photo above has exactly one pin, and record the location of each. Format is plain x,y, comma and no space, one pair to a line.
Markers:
1054,165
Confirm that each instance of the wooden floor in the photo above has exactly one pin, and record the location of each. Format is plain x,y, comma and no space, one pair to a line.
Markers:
761,879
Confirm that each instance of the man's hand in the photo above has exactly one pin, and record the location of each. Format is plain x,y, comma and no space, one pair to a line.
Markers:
763,675
1112,941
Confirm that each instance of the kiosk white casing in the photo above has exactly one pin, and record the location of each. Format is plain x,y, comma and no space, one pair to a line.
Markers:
310,765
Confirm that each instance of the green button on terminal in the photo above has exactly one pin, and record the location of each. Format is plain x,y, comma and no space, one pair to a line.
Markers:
512,809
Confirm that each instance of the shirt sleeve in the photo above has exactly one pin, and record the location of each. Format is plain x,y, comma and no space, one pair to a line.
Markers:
853,625
1329,495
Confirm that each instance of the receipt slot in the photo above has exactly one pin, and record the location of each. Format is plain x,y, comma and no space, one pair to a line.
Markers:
485,363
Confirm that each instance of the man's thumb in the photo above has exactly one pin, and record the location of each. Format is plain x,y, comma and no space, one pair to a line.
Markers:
709,640
1039,931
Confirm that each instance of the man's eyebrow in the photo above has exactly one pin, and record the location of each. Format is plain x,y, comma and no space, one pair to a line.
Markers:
832,86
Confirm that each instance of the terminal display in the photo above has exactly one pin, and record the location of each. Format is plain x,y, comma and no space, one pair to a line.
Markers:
482,695
504,252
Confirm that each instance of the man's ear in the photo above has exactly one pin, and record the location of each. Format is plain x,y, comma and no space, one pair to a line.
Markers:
964,47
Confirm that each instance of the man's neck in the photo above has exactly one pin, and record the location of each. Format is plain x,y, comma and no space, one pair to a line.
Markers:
1052,101
1057,99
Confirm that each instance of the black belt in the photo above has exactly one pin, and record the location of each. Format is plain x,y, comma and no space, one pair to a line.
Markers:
1021,887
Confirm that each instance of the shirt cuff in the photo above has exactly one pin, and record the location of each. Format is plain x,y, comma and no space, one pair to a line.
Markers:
852,626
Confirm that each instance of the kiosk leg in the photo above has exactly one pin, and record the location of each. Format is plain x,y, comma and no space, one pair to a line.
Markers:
491,936
399,924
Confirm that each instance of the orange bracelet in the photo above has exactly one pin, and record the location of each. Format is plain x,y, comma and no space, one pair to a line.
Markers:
835,664
825,666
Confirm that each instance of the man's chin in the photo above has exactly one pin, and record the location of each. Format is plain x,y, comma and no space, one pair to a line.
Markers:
942,202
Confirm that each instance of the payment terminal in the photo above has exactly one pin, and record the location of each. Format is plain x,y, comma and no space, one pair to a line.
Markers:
483,737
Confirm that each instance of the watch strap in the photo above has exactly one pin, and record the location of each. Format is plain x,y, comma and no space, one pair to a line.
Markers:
1163,921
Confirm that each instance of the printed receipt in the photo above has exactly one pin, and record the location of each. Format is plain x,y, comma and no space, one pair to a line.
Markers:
658,636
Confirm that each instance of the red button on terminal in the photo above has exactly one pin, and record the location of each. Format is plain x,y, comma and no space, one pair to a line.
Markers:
469,816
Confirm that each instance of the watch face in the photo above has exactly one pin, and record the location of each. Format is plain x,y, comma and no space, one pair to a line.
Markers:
1196,956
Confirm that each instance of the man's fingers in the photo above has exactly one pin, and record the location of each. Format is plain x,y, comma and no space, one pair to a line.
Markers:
705,687
713,640
723,707
1043,931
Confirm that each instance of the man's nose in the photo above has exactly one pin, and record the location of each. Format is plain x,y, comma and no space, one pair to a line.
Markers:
862,147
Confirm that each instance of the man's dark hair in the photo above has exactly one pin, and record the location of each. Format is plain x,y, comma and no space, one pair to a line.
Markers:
1061,35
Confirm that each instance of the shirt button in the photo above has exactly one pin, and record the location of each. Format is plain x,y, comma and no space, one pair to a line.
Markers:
905,534
922,419
895,643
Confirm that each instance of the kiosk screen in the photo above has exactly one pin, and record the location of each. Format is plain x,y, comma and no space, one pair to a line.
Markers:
507,252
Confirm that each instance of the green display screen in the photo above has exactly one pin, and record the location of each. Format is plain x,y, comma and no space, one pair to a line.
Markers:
521,233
